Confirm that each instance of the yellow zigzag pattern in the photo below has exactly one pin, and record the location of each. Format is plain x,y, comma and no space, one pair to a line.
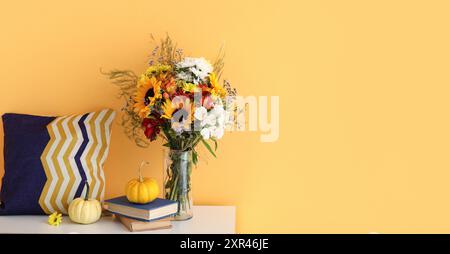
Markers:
58,158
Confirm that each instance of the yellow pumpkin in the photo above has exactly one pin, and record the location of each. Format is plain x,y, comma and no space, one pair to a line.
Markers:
85,210
142,190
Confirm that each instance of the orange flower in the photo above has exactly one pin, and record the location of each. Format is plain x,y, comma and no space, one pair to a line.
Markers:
170,86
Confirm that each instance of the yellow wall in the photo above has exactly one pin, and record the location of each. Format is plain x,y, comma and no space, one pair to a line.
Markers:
365,134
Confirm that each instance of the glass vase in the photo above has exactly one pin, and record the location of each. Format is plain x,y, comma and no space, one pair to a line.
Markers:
177,181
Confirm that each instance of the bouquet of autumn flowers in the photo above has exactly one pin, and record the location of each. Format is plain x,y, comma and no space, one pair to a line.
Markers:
165,102
179,99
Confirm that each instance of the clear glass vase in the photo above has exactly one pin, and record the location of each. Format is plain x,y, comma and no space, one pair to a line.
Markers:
177,181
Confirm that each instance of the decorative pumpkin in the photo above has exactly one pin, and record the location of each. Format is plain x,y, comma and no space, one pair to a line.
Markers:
142,190
85,210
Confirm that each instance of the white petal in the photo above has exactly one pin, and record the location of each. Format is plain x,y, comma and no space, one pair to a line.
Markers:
221,120
200,113
205,133
218,133
211,119
219,109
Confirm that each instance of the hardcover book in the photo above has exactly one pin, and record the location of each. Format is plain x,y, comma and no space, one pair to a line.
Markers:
138,225
157,209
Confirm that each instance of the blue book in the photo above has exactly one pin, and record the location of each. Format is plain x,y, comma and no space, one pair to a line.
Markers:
157,209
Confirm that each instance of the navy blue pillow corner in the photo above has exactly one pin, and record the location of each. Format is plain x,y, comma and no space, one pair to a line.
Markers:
33,184
25,138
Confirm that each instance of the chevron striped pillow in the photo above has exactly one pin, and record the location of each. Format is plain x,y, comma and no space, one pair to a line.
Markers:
47,160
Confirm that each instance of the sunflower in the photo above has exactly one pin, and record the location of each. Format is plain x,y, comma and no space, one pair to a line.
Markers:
216,89
156,92
167,109
148,91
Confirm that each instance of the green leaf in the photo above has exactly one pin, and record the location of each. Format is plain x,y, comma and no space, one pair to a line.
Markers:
215,143
208,147
194,157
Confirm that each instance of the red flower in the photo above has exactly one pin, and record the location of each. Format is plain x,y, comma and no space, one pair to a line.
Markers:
152,126
180,92
204,87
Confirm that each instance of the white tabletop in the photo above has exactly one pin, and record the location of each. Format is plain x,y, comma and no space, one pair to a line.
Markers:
206,220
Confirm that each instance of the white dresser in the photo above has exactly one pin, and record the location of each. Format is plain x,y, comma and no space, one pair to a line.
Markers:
206,220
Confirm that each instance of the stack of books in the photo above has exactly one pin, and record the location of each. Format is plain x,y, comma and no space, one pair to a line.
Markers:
137,217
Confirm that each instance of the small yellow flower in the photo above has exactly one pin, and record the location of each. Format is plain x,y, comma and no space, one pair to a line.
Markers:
55,219
156,70
189,87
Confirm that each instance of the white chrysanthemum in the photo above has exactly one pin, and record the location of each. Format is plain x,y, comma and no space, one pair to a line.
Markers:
205,133
194,70
200,113
210,119
186,76
213,123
